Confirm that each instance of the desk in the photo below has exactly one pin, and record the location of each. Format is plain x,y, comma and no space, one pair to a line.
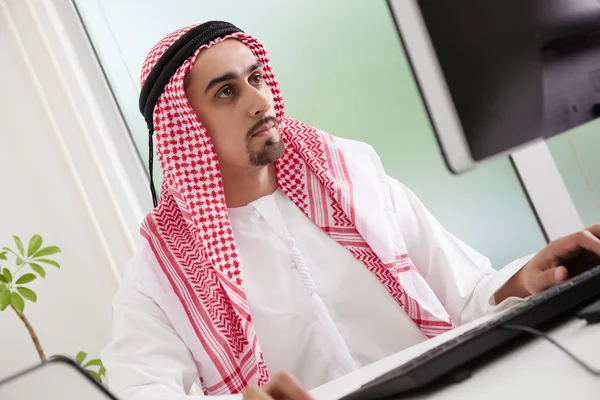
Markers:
537,370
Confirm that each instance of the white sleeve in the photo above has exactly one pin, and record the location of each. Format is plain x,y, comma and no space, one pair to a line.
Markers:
462,279
146,359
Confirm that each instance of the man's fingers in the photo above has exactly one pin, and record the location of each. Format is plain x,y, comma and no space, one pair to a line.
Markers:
561,274
589,241
550,277
254,393
571,245
283,385
594,230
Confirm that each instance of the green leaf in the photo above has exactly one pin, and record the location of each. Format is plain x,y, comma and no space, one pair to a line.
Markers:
19,245
34,245
51,262
17,302
26,279
4,299
38,268
3,256
94,375
3,279
47,251
7,275
27,293
19,261
10,251
93,363
102,371
80,357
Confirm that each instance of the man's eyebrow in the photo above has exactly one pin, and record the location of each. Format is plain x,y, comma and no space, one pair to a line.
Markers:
223,78
230,76
254,67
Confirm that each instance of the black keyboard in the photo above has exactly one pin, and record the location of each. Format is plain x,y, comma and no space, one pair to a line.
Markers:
453,354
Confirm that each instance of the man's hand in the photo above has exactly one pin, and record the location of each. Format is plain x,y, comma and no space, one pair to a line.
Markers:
281,387
562,258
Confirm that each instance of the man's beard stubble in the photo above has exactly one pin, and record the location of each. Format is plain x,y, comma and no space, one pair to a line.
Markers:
268,154
272,149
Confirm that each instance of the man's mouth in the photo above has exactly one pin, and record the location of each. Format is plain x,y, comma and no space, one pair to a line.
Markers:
263,130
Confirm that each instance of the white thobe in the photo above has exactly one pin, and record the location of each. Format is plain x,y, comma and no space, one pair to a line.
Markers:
317,311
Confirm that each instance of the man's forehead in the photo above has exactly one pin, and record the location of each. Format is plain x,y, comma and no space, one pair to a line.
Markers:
228,56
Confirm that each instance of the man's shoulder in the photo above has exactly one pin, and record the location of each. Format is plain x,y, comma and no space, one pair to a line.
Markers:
141,263
351,143
354,147
358,148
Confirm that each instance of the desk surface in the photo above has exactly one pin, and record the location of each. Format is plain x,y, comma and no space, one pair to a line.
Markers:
536,370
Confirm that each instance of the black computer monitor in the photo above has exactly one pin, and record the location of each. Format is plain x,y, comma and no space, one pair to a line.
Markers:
498,74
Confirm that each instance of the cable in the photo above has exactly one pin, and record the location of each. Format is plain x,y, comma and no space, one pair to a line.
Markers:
543,335
150,167
588,182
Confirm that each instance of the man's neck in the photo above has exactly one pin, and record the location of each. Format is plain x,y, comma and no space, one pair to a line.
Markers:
243,187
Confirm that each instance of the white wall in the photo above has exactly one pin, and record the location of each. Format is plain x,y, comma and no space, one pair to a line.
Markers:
60,177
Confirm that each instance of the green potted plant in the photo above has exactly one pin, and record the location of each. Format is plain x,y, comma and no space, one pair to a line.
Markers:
14,291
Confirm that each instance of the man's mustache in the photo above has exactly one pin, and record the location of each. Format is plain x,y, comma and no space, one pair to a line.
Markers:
260,123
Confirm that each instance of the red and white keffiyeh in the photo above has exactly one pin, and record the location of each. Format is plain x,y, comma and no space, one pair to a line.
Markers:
191,236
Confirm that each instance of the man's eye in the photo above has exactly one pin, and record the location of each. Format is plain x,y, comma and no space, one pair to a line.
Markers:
225,93
257,78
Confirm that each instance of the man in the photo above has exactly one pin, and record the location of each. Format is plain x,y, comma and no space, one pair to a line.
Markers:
281,257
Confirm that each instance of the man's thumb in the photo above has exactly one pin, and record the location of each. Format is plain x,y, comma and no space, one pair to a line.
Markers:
551,277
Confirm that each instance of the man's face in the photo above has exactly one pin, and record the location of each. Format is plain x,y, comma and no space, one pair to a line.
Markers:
227,91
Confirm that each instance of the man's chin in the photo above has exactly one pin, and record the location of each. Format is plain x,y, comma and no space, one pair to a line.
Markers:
270,152
272,141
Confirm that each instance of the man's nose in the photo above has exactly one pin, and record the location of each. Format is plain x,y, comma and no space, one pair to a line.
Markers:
259,102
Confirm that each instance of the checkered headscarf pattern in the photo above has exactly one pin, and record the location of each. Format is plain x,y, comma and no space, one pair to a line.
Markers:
191,236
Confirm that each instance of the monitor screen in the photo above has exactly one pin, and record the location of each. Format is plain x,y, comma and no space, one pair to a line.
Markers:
496,75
